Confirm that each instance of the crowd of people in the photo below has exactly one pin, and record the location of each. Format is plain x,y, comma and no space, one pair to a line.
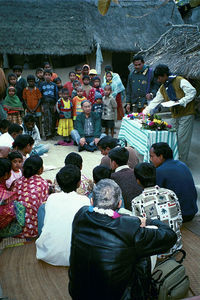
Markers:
105,229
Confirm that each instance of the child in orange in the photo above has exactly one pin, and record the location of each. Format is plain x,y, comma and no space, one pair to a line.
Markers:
77,100
32,99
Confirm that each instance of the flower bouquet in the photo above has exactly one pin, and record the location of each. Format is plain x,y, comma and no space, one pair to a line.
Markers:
156,123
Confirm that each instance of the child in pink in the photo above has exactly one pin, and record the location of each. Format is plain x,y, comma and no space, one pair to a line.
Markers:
16,160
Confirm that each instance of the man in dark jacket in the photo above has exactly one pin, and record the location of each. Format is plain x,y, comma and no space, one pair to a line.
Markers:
141,86
87,132
107,246
123,175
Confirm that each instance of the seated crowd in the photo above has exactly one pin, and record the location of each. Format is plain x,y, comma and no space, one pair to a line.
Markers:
104,228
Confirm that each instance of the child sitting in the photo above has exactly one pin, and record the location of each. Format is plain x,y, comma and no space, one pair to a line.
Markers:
109,111
76,84
86,85
64,109
30,128
98,105
32,99
69,84
32,191
16,160
49,92
24,144
13,106
77,100
96,89
6,197
4,124
86,184
101,172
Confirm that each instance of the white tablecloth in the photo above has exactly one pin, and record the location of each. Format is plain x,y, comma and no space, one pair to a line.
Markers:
142,139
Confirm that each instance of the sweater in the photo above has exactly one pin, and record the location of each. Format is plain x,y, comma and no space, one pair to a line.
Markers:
176,176
96,122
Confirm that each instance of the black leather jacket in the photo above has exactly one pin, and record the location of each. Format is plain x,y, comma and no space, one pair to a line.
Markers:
104,252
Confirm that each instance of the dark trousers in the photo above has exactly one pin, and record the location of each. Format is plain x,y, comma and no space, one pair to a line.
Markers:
49,118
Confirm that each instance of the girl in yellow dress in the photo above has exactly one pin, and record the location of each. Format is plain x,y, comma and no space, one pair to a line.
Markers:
64,108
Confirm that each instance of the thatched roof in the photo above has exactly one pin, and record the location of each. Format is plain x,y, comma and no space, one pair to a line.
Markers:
179,48
61,27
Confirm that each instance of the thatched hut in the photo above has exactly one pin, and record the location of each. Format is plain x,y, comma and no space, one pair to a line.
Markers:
66,32
179,48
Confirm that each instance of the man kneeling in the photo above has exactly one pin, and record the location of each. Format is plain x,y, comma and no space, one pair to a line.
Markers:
106,246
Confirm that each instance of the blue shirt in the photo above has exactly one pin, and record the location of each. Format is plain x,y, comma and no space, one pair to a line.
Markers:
176,176
49,90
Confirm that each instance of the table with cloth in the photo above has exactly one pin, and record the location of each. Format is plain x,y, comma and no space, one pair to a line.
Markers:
141,139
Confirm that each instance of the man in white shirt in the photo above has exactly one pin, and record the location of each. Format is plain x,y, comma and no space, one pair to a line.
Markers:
53,245
8,138
181,95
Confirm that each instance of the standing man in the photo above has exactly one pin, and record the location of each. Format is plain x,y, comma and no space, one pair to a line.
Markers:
181,94
87,132
141,87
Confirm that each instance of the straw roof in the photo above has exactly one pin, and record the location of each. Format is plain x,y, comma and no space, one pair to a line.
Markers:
179,48
75,26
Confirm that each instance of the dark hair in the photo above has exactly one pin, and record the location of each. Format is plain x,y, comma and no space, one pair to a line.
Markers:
57,79
5,166
75,159
14,128
161,70
162,149
108,68
108,87
78,68
109,72
107,141
14,154
46,63
96,78
32,165
76,81
47,71
101,172
84,101
31,77
38,70
11,75
146,174
72,72
17,67
68,178
5,124
65,90
138,57
22,140
86,77
119,155
29,118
